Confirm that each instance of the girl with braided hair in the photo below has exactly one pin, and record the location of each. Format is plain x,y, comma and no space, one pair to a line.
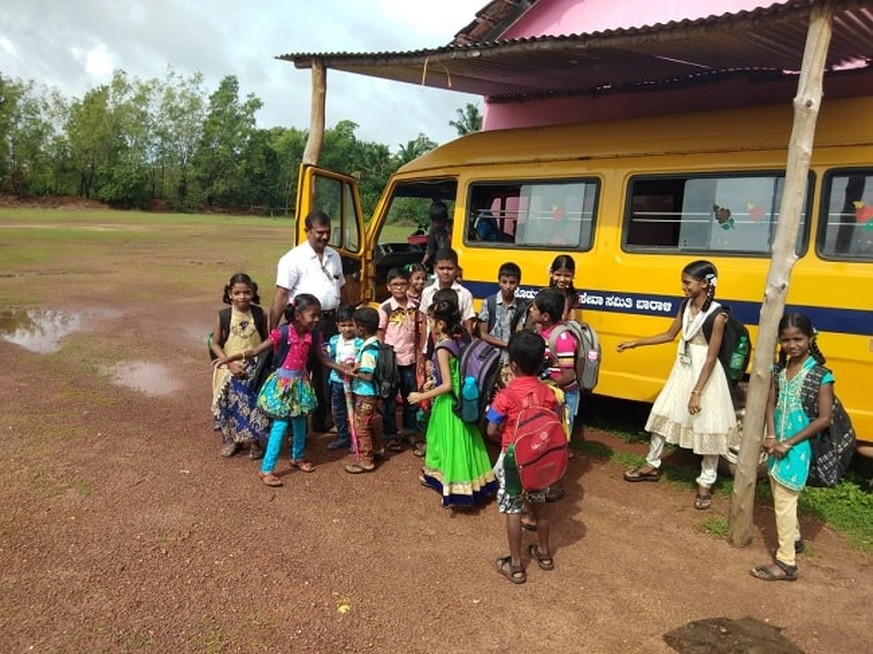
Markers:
456,462
694,409
800,371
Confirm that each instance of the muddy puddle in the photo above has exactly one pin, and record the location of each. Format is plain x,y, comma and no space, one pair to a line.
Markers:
725,636
153,379
43,330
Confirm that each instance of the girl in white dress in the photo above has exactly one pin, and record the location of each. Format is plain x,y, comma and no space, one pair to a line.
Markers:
694,409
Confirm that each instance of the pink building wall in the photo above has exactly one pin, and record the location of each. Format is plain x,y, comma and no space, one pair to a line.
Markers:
555,17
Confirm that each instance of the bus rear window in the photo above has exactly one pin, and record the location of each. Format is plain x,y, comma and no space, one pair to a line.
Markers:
846,224
532,214
727,213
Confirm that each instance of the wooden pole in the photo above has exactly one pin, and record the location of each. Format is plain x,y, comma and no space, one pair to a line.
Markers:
316,118
806,106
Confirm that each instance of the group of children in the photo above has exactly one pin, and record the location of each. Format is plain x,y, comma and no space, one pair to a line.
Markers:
430,325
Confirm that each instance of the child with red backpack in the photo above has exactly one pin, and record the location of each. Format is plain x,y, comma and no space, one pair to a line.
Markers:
525,400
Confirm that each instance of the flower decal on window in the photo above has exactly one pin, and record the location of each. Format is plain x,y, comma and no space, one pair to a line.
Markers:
723,217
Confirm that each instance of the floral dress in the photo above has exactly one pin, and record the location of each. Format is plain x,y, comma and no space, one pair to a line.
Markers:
287,392
234,399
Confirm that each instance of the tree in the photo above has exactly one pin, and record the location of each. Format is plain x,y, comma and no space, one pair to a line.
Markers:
414,149
228,127
469,120
26,129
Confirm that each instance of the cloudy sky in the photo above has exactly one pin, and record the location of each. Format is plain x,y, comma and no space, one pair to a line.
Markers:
75,44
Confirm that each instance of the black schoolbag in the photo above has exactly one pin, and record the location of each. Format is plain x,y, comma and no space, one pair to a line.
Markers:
833,447
386,376
731,342
224,323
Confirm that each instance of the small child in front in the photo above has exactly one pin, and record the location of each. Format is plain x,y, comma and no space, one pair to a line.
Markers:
343,350
398,321
366,398
526,353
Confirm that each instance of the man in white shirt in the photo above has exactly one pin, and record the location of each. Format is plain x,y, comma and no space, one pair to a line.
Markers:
313,267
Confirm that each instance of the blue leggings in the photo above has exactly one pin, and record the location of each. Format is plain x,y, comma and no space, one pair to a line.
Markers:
277,436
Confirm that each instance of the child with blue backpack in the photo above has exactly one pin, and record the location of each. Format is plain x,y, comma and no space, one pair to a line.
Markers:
287,395
342,349
367,430
456,462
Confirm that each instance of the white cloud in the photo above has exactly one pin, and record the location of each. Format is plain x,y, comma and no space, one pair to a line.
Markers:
75,45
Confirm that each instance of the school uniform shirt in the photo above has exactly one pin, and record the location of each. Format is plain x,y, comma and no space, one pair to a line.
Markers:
502,321
342,350
398,321
366,360
564,356
300,271
508,403
465,303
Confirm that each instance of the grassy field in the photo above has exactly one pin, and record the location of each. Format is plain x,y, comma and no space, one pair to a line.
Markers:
79,255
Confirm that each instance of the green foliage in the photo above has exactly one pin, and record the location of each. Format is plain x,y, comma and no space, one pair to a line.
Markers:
469,120
131,142
715,525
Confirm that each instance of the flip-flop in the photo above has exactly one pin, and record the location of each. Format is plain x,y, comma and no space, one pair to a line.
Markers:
516,575
303,465
766,572
270,479
545,562
703,502
637,474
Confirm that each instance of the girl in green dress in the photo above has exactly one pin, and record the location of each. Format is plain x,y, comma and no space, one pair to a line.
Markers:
789,428
456,465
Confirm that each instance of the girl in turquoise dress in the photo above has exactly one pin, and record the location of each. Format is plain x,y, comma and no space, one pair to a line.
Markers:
456,464
788,431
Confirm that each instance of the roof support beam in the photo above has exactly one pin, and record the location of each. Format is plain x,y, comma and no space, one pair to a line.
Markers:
316,119
806,108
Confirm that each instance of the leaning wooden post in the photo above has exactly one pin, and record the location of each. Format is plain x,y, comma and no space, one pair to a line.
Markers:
316,118
806,106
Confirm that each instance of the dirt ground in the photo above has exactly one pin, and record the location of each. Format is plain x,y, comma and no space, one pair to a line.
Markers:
123,531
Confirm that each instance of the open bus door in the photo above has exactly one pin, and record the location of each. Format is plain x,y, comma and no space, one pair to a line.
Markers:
337,196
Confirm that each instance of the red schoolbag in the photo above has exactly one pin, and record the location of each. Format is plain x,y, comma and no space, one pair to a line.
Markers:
540,446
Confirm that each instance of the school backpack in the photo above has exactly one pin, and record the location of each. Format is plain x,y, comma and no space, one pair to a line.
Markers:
588,351
481,361
833,448
735,351
386,375
491,304
540,444
224,324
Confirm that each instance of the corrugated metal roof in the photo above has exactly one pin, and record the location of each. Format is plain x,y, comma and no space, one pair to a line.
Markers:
754,44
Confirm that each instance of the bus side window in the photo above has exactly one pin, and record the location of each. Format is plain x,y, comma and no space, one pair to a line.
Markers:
847,216
655,214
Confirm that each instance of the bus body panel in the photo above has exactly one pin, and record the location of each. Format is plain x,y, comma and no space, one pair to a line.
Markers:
628,289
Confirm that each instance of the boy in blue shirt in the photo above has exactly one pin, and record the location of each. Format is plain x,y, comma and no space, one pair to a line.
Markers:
343,350
502,312
367,418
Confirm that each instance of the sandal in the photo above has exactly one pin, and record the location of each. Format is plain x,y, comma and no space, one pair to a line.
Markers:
640,474
420,451
702,501
302,465
515,574
394,445
545,562
230,450
256,451
358,468
555,493
772,572
270,479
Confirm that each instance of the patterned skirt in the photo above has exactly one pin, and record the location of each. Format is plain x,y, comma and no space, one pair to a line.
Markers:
287,394
234,409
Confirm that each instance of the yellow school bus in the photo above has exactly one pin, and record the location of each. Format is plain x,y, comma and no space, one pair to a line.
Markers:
633,202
